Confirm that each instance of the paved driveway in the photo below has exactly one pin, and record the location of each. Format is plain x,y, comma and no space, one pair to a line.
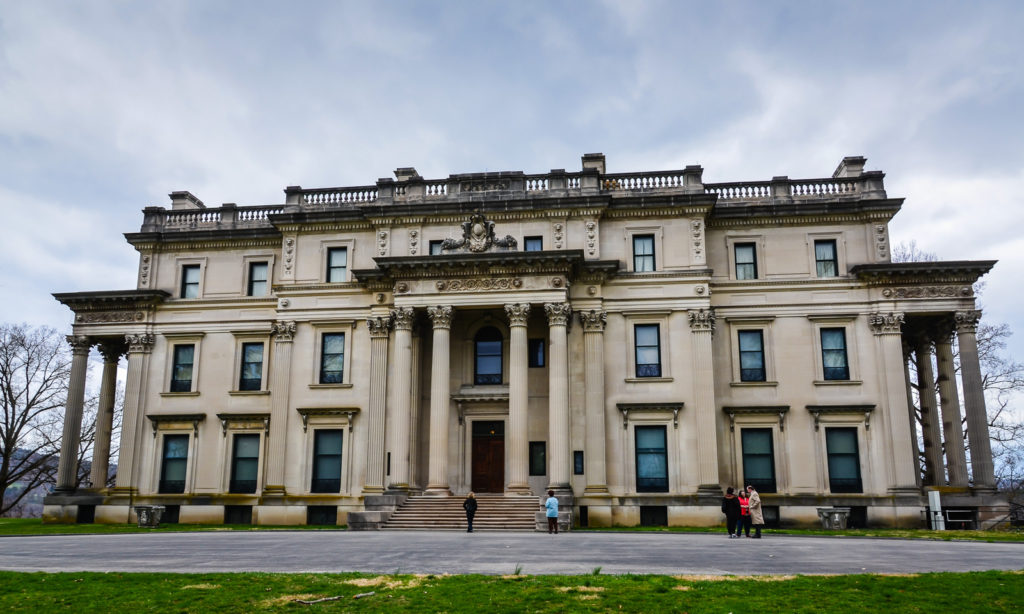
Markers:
497,553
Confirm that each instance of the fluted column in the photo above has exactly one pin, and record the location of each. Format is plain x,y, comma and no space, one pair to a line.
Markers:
139,348
68,465
974,400
915,448
935,474
518,399
702,326
440,399
280,383
398,427
888,334
380,329
105,415
949,398
593,355
558,396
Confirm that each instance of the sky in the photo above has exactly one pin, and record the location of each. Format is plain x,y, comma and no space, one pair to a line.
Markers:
107,106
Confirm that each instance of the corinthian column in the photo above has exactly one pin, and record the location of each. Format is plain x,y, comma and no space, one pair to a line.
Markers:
139,348
440,399
558,395
949,397
887,328
105,414
974,400
702,326
593,352
398,426
68,465
280,382
935,474
518,397
379,331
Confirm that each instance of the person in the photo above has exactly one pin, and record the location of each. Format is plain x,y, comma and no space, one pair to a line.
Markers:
470,506
756,516
744,526
731,509
551,505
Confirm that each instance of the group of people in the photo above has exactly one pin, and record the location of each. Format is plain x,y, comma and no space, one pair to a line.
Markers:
742,511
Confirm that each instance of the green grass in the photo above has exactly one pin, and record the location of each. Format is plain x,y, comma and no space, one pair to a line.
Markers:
149,592
34,526
1001,535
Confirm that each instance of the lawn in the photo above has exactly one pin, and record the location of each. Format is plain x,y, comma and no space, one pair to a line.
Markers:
152,592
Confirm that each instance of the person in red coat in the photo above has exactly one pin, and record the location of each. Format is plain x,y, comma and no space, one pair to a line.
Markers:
744,525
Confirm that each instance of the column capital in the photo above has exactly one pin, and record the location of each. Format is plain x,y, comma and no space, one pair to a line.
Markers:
441,316
141,343
558,313
518,313
886,323
702,320
284,331
403,318
379,326
594,320
80,344
111,350
967,321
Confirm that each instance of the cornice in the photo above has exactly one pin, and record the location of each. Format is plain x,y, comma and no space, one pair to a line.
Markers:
909,273
157,246
797,219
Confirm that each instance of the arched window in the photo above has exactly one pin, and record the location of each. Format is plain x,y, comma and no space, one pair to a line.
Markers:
487,346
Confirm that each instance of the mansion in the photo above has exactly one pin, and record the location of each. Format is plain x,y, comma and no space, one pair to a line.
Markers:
636,342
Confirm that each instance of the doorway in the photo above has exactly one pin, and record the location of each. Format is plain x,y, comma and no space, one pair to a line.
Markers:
488,459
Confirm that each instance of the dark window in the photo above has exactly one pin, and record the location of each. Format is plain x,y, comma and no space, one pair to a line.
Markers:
322,515
648,350
758,459
833,354
337,262
181,373
332,358
825,258
653,516
843,460
584,516
190,281
643,253
533,244
171,515
175,460
538,458
577,462
746,261
245,459
488,356
751,356
257,279
536,350
251,377
327,461
435,247
651,459
86,514
237,514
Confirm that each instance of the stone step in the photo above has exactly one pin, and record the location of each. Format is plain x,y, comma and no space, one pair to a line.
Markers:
494,513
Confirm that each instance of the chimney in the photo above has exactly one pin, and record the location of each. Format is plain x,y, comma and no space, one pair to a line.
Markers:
594,160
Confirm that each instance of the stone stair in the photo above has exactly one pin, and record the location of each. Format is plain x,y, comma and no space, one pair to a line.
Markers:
494,513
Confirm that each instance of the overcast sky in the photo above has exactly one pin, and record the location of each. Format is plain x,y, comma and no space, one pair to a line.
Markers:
105,107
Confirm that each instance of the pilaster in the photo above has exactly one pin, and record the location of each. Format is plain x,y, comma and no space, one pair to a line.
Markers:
887,328
139,348
380,330
280,381
702,327
593,322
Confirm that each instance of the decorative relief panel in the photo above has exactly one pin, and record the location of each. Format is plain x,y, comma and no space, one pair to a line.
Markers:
145,266
382,242
105,317
697,241
484,185
479,284
478,236
929,292
558,230
881,242
414,241
592,248
288,257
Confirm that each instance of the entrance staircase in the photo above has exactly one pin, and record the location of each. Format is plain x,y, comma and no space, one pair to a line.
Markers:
495,512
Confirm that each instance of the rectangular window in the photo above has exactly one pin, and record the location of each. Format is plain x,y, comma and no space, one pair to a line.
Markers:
175,461
746,260
758,459
181,374
332,358
751,356
190,281
536,351
538,458
648,350
251,377
577,462
435,247
835,365
257,279
326,461
826,258
245,459
533,244
843,460
651,459
643,253
337,263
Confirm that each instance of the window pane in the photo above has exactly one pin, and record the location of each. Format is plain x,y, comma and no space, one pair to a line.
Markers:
181,374
647,334
337,261
533,244
536,353
650,437
488,365
757,441
435,247
651,459
841,441
176,446
190,281
245,469
538,462
646,356
334,343
643,253
328,467
825,257
833,339
328,442
750,341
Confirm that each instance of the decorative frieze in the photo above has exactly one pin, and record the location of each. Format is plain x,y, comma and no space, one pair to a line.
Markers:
379,326
558,313
479,284
702,320
518,313
109,317
140,343
484,185
441,316
283,331
886,323
593,320
967,321
928,292
403,318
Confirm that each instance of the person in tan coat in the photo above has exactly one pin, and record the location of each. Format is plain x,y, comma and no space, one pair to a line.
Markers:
756,516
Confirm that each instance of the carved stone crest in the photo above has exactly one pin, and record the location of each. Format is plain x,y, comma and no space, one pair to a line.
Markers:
478,236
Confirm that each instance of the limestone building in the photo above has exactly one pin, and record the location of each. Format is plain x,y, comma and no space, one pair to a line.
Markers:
635,341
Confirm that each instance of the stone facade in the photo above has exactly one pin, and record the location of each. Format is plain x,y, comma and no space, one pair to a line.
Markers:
634,341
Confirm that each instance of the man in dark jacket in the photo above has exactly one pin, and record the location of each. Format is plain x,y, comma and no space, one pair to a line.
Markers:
470,506
731,509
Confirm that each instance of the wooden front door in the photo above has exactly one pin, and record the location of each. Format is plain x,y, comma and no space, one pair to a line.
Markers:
488,459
